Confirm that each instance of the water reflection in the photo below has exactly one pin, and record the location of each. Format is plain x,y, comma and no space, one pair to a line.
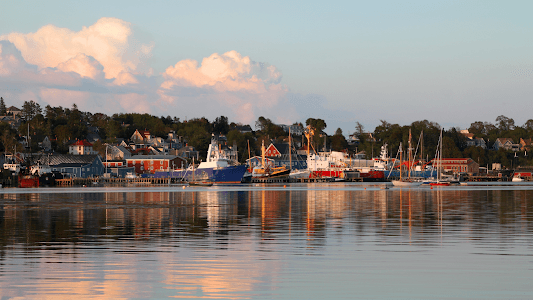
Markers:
240,243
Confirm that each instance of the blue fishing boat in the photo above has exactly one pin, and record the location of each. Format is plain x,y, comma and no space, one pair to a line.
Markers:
216,169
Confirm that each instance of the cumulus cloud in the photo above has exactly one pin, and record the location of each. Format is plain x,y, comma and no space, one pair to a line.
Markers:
11,60
85,66
234,84
109,41
227,72
104,68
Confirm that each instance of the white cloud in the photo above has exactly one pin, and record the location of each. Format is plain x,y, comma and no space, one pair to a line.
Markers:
84,65
102,68
109,41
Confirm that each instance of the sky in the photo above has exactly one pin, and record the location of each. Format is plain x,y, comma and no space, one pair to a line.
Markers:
450,62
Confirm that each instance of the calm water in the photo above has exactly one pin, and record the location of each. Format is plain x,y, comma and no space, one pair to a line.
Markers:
315,241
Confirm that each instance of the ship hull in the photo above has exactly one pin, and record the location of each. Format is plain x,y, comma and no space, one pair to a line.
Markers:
28,181
232,174
372,175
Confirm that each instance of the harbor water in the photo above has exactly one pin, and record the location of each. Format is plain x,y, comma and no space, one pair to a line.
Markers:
298,241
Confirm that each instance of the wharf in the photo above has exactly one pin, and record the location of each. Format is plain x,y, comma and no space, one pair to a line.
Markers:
111,181
300,180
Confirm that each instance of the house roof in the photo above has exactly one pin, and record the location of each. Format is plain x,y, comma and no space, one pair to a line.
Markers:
504,140
12,108
144,157
82,143
93,137
122,149
526,141
67,159
468,135
281,147
144,133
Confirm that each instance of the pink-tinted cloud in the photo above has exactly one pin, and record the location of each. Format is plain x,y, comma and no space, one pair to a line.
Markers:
229,84
85,66
227,72
102,68
108,41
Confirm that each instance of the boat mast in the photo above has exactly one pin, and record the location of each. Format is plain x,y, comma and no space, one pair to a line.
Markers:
290,150
410,149
422,146
439,164
401,160
263,153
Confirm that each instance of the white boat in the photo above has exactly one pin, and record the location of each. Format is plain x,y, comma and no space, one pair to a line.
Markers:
298,174
517,178
406,183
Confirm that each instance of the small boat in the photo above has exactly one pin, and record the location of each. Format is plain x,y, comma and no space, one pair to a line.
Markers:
439,183
406,183
517,178
204,181
200,183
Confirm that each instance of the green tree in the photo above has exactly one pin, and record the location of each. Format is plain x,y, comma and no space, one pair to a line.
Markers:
318,124
338,141
505,123
3,109
220,125
359,129
30,109
529,125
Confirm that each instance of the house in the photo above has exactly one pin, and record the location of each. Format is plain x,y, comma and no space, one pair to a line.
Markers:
506,144
81,166
281,155
141,137
526,144
188,152
354,139
294,129
13,122
477,142
243,128
14,112
457,165
472,141
81,147
174,141
151,163
117,152
46,144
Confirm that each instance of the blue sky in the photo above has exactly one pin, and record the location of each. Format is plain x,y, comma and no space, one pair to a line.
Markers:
453,62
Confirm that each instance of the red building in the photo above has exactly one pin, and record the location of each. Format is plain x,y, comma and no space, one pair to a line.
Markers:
152,163
458,165
114,163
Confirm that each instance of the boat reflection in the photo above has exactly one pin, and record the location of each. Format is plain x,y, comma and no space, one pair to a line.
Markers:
229,243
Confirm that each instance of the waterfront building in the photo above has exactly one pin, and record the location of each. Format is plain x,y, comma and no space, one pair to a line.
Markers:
80,166
152,163
457,165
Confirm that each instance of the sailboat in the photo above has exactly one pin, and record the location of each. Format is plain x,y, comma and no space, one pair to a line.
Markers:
202,181
405,182
439,181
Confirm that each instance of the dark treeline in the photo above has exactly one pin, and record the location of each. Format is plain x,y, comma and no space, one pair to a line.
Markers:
63,125
454,142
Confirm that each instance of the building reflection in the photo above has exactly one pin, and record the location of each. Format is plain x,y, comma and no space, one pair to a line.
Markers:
37,217
223,243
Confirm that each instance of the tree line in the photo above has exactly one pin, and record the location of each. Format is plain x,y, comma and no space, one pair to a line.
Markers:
64,125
